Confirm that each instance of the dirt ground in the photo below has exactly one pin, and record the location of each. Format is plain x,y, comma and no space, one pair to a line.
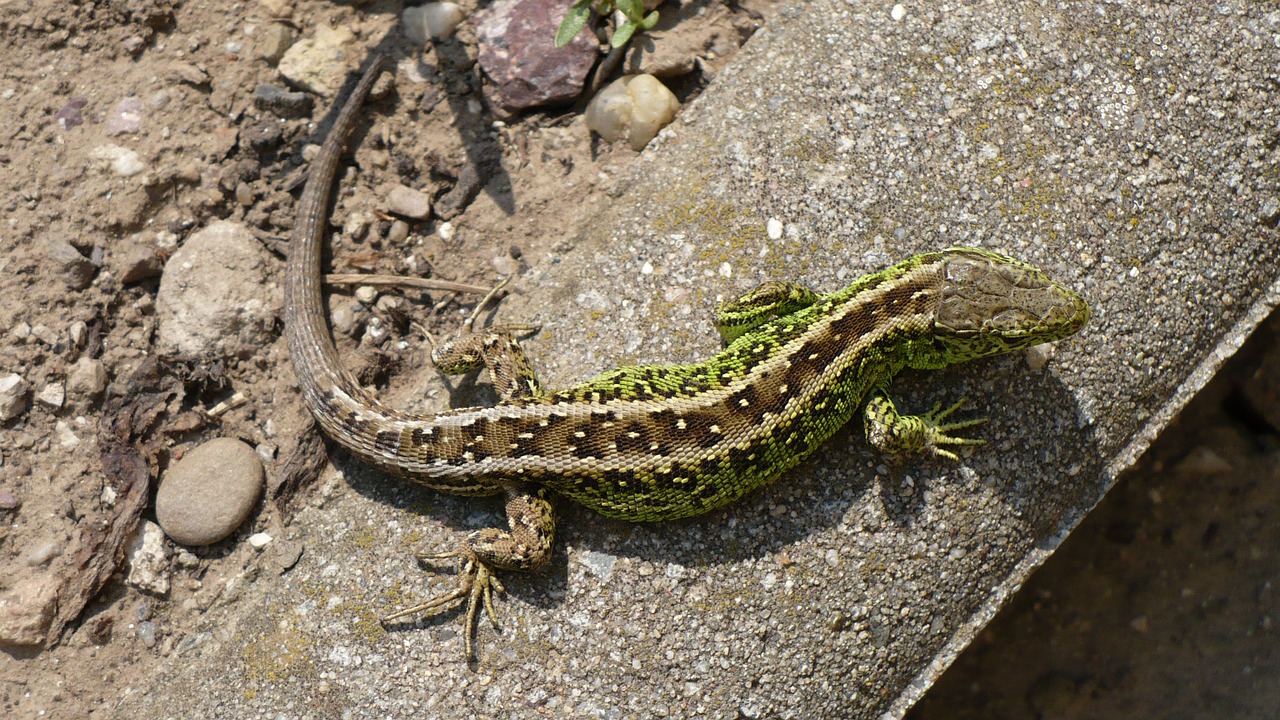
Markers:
210,153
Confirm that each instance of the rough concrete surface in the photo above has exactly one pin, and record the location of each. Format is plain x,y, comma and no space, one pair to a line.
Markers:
1129,150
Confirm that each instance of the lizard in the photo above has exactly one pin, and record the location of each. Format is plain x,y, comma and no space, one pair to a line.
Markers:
660,442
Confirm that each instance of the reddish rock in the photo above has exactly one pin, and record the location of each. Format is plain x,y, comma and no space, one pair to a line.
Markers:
518,53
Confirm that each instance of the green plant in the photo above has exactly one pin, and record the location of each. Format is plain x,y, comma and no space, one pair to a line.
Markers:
633,19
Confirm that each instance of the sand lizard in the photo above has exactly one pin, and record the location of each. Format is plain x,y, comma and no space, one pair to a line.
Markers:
655,443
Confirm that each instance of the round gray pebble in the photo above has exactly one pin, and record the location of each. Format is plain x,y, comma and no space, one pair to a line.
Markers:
207,494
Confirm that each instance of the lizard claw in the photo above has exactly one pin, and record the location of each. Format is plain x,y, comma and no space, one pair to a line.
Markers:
476,586
936,430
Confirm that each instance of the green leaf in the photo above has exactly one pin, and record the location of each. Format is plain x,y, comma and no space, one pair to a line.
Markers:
573,22
633,9
623,34
649,21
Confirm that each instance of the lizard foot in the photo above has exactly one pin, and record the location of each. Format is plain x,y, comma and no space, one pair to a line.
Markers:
936,430
476,586
899,434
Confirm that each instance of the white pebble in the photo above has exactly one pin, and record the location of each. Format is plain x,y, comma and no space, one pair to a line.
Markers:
123,161
774,228
635,107
66,438
259,540
431,21
52,395
148,559
898,12
43,553
13,396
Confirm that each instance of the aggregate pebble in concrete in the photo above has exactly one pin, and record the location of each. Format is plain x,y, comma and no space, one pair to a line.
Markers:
1125,148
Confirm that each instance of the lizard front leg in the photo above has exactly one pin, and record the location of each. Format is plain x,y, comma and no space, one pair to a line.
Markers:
894,433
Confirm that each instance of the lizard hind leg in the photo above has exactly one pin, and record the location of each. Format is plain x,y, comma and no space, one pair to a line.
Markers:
524,546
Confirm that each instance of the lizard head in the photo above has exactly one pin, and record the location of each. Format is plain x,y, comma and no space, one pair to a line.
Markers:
990,304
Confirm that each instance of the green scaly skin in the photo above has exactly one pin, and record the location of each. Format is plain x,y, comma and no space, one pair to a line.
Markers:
653,443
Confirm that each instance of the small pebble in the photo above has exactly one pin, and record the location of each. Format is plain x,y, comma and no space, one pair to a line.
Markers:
367,295
126,119
26,611
318,63
277,8
147,633
431,21
14,394
266,451
282,102
273,42
76,269
134,44
148,561
210,299
190,74
1270,212
188,559
1203,460
1038,356
70,115
52,396
376,330
633,107
408,202
67,437
398,231
135,260
287,554
76,331
46,335
86,381
259,540
43,553
356,227
9,501
207,494
244,194
344,316
122,161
